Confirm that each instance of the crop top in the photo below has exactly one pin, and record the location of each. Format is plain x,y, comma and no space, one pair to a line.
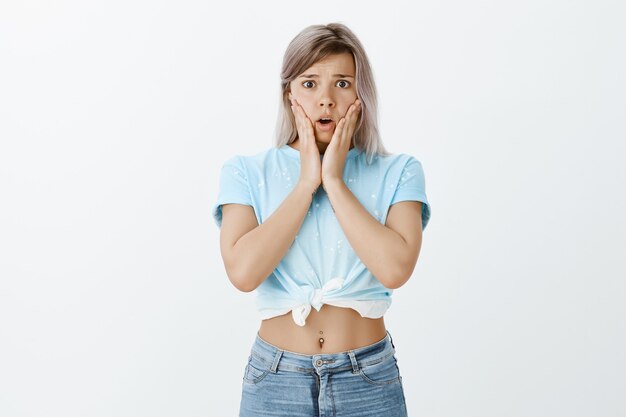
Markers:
320,267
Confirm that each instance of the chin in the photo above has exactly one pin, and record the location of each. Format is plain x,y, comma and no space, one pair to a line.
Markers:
325,137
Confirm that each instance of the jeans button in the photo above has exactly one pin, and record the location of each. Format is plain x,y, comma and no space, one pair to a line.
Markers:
318,362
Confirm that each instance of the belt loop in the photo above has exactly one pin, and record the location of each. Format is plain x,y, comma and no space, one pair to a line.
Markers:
277,356
355,365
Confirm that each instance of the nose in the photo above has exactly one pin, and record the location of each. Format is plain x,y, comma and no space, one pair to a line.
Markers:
326,99
327,102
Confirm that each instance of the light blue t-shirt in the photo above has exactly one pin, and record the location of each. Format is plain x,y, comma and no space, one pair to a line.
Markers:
320,266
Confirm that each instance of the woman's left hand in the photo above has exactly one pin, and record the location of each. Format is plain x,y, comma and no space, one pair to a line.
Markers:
335,154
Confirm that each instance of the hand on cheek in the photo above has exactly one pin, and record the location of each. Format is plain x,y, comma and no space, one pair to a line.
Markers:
294,99
310,171
337,150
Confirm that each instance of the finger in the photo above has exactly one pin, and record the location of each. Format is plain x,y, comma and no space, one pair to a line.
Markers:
353,125
351,122
305,124
295,107
355,113
294,110
309,128
339,128
349,129
356,108
297,118
305,119
352,110
299,109
299,113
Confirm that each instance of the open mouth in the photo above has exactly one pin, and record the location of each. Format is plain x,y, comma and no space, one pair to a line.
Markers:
325,124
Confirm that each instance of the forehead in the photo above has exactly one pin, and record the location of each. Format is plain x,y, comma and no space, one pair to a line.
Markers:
343,63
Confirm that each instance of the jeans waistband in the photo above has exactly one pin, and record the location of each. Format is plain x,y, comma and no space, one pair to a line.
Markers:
364,355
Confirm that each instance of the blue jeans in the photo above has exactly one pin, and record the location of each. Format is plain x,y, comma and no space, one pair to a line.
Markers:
360,382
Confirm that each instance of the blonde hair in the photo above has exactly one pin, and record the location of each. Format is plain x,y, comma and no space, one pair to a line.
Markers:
311,45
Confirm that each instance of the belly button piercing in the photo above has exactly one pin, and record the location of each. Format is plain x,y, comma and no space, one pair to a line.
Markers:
321,339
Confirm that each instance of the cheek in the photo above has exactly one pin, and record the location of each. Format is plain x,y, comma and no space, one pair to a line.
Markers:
347,102
306,105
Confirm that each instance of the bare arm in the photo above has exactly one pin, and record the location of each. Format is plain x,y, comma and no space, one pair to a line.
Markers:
389,251
251,251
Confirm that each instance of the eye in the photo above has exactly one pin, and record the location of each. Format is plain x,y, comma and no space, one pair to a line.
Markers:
304,83
344,81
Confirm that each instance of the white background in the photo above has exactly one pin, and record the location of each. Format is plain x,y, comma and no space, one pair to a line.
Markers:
115,117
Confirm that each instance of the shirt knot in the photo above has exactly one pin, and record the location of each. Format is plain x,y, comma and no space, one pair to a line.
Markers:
316,300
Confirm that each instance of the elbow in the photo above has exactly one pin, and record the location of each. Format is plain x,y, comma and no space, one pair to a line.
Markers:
394,282
403,271
399,276
241,279
242,285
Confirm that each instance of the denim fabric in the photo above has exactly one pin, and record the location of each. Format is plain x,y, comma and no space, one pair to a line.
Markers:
360,382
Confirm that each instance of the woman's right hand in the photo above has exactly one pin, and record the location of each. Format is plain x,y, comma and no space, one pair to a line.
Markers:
310,163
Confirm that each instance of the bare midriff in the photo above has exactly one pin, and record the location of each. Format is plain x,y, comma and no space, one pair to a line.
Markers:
341,329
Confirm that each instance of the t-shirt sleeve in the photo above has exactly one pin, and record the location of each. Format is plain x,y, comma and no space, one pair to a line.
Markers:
412,187
233,188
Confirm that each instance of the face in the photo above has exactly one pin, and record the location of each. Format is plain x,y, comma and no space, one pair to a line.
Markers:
326,89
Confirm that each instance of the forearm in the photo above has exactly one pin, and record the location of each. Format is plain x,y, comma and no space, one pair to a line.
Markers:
381,249
261,249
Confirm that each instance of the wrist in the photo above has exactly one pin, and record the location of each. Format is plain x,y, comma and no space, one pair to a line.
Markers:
332,183
309,187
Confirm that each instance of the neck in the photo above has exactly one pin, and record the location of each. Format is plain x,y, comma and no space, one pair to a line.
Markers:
321,146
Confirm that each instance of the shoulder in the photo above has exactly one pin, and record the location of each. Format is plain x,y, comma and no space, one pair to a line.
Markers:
394,162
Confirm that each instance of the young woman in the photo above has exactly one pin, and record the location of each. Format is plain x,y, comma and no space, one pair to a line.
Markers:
324,226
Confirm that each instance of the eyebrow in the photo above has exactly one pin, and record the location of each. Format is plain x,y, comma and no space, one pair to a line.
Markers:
317,76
